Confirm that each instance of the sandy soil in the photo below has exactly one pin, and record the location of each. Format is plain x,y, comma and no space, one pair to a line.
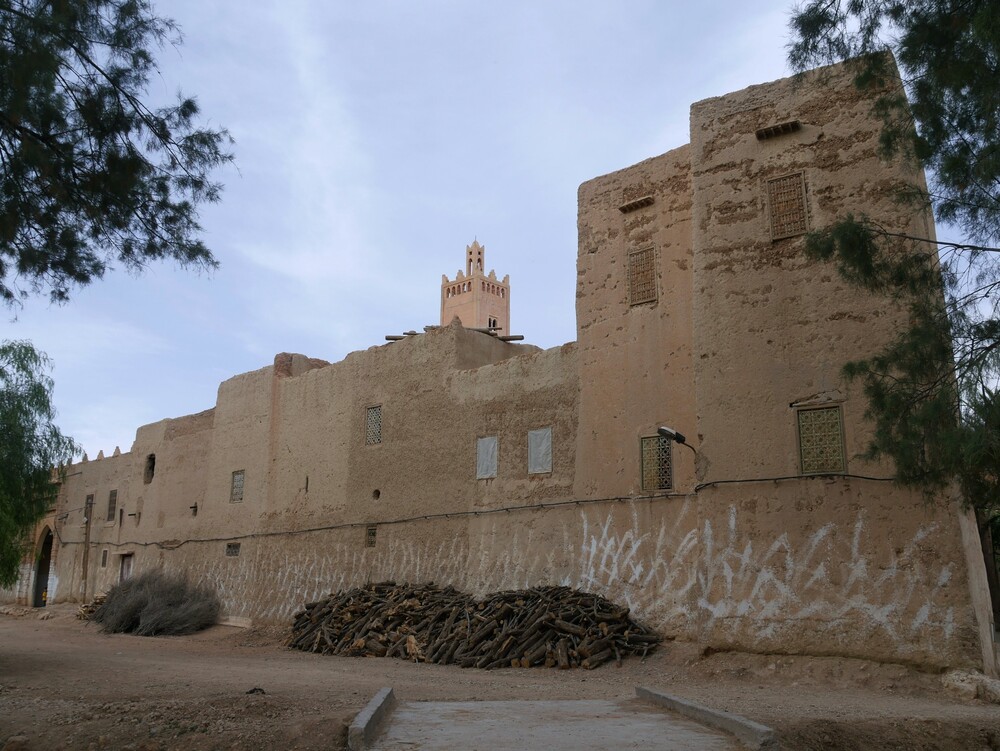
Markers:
65,685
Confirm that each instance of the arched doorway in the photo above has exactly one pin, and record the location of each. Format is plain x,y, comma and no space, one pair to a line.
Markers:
42,571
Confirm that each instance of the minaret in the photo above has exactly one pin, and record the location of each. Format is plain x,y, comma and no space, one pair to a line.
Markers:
479,300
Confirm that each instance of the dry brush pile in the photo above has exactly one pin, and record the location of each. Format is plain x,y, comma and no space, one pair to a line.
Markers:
550,626
156,603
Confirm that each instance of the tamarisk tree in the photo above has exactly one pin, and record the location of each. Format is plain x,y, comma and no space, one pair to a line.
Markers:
933,392
89,173
31,449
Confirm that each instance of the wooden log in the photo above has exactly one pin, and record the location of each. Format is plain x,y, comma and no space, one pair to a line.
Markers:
597,659
562,654
569,628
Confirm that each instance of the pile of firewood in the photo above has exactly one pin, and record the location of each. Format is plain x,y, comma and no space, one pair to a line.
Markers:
550,626
88,608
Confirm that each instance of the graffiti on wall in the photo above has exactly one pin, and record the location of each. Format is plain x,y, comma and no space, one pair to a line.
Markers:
684,573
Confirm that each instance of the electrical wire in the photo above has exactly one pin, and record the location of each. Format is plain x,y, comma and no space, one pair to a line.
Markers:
461,514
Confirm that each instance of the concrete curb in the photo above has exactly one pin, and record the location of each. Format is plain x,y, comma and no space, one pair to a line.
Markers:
367,722
751,734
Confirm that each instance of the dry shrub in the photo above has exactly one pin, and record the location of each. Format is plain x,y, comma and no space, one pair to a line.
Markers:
156,603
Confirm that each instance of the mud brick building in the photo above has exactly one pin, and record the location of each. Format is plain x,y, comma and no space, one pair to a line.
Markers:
459,457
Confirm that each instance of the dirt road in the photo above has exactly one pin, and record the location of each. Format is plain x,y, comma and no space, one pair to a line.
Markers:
65,685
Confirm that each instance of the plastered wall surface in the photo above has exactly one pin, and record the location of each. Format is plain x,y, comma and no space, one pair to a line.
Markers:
741,551
770,328
635,360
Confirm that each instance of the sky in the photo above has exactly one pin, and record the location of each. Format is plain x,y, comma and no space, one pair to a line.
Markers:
373,142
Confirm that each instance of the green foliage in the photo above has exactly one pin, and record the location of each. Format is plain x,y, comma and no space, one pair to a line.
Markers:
948,52
155,603
89,173
933,392
30,447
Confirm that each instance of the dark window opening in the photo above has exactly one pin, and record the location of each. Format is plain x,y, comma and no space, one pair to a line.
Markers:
104,558
147,476
112,505
232,549
370,537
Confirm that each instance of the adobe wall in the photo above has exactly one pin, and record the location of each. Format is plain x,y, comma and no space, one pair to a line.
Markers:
304,419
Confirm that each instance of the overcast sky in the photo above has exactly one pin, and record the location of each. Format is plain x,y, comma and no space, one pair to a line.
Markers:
374,141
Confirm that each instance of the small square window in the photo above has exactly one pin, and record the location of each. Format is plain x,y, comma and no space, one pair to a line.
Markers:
486,457
370,534
236,488
232,549
786,200
641,276
112,505
821,441
539,451
657,463
373,425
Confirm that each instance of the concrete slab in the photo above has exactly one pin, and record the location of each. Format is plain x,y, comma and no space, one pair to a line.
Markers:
549,725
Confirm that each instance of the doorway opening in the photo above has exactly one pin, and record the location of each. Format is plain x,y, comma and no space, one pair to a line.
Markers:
126,567
42,567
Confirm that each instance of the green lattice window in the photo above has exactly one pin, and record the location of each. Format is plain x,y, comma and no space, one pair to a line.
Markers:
821,440
657,464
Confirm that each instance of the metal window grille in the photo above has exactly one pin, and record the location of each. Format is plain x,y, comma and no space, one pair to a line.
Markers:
657,464
821,440
641,276
236,489
370,533
232,549
786,199
373,425
112,505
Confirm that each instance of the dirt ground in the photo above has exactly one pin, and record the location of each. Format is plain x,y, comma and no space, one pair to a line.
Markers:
65,685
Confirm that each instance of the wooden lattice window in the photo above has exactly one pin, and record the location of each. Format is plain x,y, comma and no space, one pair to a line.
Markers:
373,425
112,505
641,276
786,200
657,464
236,488
821,440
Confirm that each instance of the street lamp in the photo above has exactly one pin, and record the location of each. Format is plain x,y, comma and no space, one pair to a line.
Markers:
672,435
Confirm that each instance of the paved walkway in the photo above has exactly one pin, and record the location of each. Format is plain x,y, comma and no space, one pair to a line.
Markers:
545,725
